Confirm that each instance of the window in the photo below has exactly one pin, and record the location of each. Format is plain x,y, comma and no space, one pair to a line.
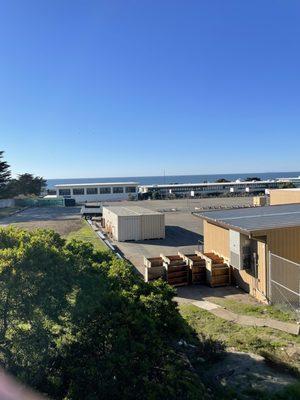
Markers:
78,191
104,190
64,192
130,189
118,189
91,191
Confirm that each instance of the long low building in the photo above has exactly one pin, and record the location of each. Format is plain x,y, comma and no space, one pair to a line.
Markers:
133,223
97,192
210,188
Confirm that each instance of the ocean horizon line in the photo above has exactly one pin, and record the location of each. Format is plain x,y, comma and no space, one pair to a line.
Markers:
182,179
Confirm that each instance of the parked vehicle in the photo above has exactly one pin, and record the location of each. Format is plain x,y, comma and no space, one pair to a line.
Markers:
88,211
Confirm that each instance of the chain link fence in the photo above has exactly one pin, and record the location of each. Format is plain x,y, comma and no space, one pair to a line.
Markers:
284,284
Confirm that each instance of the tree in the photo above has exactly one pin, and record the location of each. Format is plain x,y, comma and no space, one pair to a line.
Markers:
79,324
222,180
252,179
27,184
155,195
4,173
287,185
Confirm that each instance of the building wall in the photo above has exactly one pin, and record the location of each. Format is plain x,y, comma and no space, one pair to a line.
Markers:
100,197
284,196
284,242
256,286
216,239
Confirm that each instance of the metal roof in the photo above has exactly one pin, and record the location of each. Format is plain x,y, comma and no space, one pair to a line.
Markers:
204,184
75,185
131,211
256,218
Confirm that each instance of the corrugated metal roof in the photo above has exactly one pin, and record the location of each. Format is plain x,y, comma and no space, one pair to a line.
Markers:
256,219
131,210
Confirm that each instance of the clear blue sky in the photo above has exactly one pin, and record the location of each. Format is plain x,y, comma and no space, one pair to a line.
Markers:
127,88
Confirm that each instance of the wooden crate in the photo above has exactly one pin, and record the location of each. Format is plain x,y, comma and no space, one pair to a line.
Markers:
154,268
217,269
177,270
197,268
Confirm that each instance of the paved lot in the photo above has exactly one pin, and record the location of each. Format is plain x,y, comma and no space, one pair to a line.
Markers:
61,219
183,230
188,205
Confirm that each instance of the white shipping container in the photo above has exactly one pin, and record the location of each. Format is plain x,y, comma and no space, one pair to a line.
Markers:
133,223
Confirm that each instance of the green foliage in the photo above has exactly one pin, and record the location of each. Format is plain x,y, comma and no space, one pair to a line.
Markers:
155,195
4,174
287,185
26,185
256,309
222,180
252,179
80,324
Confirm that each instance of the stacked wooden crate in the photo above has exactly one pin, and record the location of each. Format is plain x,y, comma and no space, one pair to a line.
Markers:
177,270
154,268
197,268
217,269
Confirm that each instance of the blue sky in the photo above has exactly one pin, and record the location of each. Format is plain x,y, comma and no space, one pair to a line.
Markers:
130,88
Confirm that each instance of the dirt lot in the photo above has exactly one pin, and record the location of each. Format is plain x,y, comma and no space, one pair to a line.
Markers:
60,219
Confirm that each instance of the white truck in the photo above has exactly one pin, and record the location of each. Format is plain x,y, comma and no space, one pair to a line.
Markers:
88,211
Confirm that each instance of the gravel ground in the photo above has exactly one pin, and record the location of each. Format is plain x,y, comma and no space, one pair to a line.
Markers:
60,219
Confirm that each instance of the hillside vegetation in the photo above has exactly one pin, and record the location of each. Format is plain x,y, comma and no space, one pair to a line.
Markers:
79,324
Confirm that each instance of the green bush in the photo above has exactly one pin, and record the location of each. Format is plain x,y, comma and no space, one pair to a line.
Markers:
80,324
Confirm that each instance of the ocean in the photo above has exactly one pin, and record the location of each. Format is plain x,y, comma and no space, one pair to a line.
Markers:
157,180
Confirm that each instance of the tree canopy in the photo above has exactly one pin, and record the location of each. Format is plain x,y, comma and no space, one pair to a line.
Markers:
80,324
4,173
287,185
222,180
252,179
25,184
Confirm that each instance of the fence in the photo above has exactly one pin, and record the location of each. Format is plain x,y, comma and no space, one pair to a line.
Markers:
4,203
29,202
284,283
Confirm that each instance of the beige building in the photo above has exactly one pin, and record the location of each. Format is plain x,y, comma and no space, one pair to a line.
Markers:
247,237
133,223
284,196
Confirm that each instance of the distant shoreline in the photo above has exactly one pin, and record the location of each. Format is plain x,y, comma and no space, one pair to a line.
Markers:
168,179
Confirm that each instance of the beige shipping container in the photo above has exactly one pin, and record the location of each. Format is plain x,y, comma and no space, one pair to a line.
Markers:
133,223
259,201
284,196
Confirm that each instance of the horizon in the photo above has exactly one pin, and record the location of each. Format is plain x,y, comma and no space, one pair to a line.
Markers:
177,175
119,87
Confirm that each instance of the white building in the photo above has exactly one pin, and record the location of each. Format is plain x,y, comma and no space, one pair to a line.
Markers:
133,223
95,192
200,189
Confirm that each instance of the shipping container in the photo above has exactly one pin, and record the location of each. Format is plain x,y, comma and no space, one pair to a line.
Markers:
133,223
